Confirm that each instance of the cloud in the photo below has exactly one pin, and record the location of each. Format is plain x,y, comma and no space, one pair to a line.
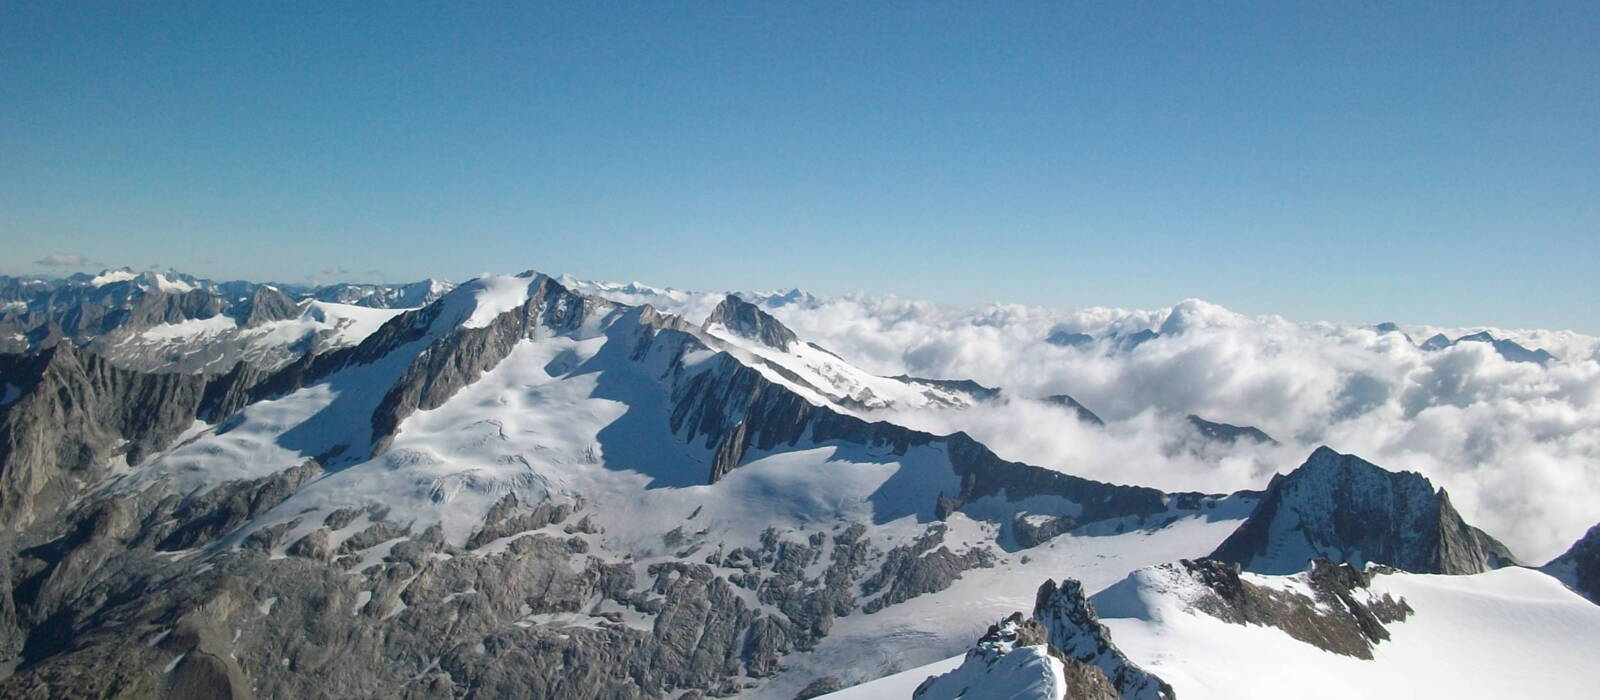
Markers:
1516,444
64,260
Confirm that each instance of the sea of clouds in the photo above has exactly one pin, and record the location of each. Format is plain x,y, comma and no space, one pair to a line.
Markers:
1516,444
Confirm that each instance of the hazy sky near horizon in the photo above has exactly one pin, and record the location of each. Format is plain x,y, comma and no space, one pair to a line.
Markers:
1417,162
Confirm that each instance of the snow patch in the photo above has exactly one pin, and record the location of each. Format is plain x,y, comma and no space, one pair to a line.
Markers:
495,295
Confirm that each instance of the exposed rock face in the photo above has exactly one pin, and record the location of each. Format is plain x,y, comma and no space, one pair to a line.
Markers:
74,415
916,568
268,304
747,320
1342,508
1031,530
1069,339
1579,567
1070,625
1081,411
101,607
1340,615
1223,432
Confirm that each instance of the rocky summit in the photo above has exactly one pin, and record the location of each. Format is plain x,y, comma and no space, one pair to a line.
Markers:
1342,508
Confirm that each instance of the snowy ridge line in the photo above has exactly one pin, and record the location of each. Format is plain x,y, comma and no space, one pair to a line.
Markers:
1215,632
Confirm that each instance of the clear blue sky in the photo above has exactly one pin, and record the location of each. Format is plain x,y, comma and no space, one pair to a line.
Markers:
1421,162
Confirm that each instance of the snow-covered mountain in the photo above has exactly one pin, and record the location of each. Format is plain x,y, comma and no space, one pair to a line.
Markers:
766,344
529,487
383,296
565,476
1500,435
170,321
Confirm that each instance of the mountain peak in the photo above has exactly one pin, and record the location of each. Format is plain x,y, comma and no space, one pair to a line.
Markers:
746,320
1081,411
1508,349
1345,509
1226,432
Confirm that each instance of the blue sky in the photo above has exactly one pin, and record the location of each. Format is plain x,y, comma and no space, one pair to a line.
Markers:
1420,162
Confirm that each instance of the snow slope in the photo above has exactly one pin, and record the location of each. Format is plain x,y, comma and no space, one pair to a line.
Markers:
219,341
926,631
1512,632
830,377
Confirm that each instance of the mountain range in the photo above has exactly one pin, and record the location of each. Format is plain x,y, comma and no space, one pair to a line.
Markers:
530,486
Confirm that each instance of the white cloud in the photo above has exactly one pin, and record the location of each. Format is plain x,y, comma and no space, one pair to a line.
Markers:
64,260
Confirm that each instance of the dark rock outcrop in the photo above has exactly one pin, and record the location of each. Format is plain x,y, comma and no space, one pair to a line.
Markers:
915,568
1340,616
268,304
1069,339
1031,530
1081,411
1579,566
1345,509
1224,432
76,412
